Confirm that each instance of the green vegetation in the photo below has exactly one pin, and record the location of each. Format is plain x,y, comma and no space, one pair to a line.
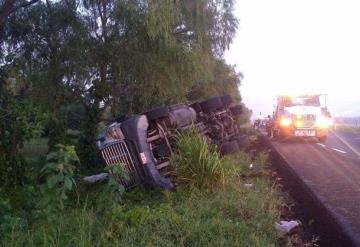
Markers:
35,148
348,128
198,164
59,171
19,123
113,189
221,210
232,216
68,67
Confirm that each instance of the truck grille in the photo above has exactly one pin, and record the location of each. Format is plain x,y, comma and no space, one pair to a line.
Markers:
308,120
118,153
310,117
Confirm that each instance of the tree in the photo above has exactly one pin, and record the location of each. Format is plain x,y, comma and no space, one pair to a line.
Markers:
166,48
20,120
43,43
7,7
122,56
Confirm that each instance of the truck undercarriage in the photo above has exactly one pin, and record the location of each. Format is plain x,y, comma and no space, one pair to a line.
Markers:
144,143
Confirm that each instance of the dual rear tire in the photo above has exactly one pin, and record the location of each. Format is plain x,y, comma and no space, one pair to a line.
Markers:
157,113
211,104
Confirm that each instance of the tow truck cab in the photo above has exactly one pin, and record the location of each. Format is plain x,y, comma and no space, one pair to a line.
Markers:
302,116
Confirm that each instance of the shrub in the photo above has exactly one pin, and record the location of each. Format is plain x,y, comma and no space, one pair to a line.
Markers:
59,172
112,192
11,222
197,163
20,121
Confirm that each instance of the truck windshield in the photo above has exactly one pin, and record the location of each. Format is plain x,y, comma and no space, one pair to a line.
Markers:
302,101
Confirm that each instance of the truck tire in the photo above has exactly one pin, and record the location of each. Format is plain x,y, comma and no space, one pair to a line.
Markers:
236,110
157,113
196,106
229,147
226,100
211,104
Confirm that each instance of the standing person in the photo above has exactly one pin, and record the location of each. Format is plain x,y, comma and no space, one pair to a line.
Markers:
257,122
269,124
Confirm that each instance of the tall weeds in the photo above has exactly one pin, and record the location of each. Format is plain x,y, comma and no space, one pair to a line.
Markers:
197,163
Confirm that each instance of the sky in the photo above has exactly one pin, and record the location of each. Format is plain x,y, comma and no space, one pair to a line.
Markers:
298,46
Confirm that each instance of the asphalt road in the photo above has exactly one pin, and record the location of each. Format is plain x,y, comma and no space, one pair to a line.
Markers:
332,172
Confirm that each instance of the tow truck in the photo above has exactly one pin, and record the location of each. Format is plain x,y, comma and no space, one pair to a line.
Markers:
304,116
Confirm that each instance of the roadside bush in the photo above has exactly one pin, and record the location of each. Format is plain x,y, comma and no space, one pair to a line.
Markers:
20,121
59,171
11,223
197,163
112,192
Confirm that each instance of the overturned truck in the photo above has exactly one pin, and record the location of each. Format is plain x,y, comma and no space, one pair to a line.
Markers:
144,143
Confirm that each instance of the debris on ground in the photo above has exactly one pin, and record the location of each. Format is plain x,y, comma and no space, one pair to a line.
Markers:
285,227
96,178
248,186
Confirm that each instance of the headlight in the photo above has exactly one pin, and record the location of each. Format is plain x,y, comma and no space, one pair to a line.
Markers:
324,122
285,121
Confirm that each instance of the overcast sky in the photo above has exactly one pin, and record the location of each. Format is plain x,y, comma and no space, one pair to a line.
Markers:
289,46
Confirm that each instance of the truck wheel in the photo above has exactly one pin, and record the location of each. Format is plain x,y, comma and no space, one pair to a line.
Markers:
229,147
236,110
196,106
226,100
157,113
211,104
322,139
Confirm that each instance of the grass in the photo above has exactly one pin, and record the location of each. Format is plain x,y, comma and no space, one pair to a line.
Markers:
222,210
230,215
348,128
197,163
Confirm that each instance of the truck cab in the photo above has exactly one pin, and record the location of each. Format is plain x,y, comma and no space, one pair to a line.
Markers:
304,116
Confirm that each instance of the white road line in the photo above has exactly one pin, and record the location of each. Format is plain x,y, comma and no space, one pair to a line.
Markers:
338,150
346,143
320,144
